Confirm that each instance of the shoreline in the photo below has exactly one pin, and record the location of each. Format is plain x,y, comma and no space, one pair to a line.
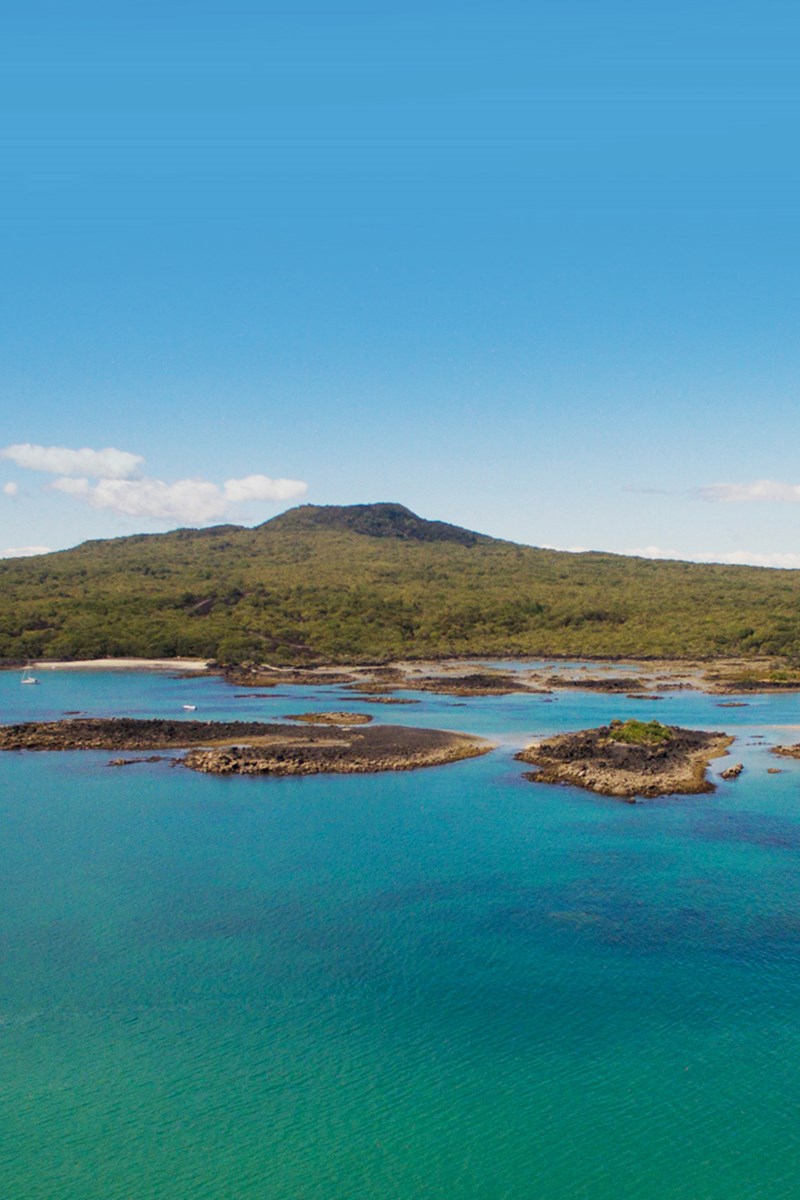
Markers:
476,675
123,664
473,675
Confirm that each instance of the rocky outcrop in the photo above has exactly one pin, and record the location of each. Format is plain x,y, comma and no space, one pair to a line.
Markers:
381,748
787,751
476,683
591,683
629,759
127,733
330,718
254,747
129,762
263,676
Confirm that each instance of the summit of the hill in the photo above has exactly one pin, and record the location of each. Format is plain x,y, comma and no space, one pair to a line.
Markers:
383,520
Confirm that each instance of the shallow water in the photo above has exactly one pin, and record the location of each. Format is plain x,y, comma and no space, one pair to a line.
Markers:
449,983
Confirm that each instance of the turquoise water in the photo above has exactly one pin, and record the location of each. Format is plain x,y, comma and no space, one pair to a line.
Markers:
442,984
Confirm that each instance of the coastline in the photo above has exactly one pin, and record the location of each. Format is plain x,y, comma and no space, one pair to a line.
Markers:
640,678
476,675
124,664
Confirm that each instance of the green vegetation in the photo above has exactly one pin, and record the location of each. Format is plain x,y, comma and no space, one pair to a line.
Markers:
757,679
639,733
374,582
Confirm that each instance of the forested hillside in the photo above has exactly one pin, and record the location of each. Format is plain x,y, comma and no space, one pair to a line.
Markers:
375,582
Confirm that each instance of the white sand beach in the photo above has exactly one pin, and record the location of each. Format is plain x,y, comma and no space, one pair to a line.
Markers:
127,664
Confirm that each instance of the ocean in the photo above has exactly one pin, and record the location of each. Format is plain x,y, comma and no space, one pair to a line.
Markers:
449,984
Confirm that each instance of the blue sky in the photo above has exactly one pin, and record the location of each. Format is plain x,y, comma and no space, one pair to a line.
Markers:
528,267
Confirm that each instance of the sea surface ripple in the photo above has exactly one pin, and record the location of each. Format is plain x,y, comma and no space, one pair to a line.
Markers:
449,984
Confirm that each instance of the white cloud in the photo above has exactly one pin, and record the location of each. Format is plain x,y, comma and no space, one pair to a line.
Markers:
58,460
24,551
770,490
742,558
118,486
74,487
261,487
194,501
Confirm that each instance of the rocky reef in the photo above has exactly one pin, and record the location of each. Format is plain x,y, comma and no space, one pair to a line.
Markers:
254,747
787,751
263,676
603,683
628,759
474,683
128,733
378,748
330,718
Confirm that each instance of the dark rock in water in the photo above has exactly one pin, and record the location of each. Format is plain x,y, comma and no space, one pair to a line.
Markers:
253,747
611,683
128,762
787,751
628,759
268,677
330,718
732,772
375,748
476,683
260,695
125,733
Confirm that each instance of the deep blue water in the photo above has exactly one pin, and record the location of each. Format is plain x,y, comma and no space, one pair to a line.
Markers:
449,983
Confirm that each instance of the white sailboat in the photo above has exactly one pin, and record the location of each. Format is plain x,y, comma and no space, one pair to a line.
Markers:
27,677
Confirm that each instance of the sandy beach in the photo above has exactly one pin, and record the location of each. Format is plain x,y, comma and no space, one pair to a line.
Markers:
127,664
